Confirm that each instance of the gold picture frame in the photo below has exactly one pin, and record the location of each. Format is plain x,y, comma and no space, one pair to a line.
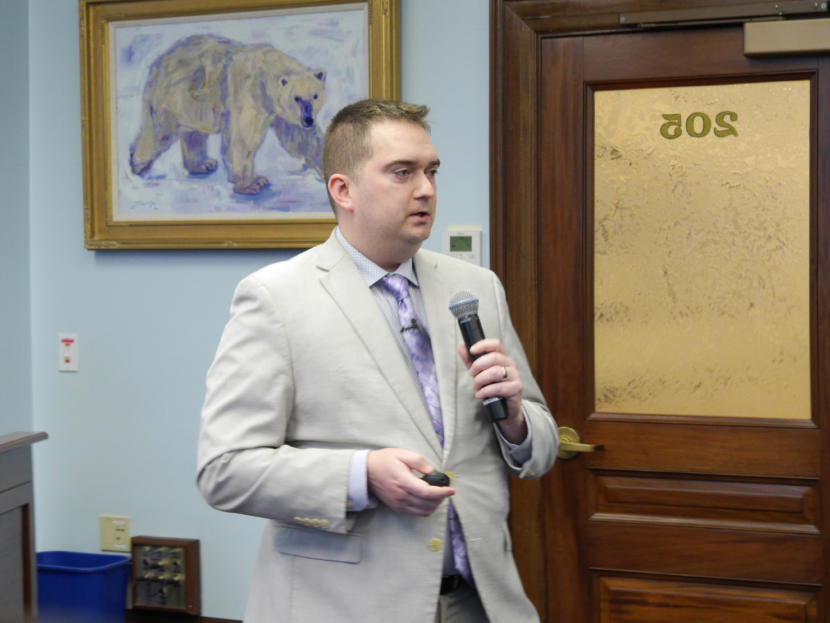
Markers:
146,189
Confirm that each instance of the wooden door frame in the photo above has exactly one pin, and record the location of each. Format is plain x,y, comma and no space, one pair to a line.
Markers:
516,250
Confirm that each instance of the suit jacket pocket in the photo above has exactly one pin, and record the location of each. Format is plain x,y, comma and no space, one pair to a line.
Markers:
311,543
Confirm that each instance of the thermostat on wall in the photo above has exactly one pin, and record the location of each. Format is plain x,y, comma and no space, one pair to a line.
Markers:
463,242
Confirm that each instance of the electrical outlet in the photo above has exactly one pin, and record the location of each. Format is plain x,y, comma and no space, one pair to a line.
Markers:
115,533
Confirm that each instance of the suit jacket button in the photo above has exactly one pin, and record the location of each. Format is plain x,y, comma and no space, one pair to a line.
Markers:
436,544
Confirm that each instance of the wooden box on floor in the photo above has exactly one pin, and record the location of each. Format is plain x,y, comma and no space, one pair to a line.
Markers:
166,575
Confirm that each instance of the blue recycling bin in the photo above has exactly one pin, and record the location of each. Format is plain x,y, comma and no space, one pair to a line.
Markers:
75,587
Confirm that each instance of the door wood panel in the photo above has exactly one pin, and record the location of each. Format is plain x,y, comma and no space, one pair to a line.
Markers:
632,600
678,518
712,502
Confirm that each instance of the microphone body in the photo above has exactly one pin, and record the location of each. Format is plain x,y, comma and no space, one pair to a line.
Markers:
464,307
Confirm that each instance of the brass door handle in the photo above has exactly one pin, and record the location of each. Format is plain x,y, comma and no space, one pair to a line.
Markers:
570,444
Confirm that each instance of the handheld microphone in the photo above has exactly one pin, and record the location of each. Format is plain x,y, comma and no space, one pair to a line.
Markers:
464,306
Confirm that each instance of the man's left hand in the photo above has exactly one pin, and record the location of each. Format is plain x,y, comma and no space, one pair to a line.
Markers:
495,374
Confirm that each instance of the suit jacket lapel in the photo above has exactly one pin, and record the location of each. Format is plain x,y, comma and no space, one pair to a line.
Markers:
342,280
442,332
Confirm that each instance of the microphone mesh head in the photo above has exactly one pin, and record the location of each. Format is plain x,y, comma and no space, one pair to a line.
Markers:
463,304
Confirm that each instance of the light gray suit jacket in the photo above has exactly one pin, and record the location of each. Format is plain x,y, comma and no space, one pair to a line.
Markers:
307,372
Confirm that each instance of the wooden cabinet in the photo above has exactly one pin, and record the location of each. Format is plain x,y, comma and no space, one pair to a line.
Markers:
18,564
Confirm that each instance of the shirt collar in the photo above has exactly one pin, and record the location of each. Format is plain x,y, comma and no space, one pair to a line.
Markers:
371,272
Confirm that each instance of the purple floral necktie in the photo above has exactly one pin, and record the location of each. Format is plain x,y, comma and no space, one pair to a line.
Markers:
420,350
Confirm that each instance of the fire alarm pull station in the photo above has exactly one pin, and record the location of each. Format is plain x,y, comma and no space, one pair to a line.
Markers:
68,352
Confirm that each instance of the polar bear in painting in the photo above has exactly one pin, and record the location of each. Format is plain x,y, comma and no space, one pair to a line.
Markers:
211,85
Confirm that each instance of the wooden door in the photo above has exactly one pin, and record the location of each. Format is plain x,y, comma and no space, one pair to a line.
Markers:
684,515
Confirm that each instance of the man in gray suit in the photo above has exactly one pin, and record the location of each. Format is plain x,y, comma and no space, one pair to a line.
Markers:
336,386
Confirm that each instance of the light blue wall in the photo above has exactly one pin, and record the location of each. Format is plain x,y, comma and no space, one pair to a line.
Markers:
446,64
15,366
123,430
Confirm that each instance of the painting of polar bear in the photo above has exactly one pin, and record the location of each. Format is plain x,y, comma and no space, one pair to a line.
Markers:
207,84
221,117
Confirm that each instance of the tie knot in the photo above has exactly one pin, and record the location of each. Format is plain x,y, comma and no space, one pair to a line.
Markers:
398,285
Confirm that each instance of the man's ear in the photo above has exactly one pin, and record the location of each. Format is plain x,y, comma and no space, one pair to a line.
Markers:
339,186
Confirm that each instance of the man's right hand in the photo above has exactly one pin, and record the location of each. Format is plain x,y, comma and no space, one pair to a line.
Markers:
390,479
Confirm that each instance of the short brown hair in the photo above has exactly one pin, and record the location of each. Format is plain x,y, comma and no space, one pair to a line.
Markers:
346,144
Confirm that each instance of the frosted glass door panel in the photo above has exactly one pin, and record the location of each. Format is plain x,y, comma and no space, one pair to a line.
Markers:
701,250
